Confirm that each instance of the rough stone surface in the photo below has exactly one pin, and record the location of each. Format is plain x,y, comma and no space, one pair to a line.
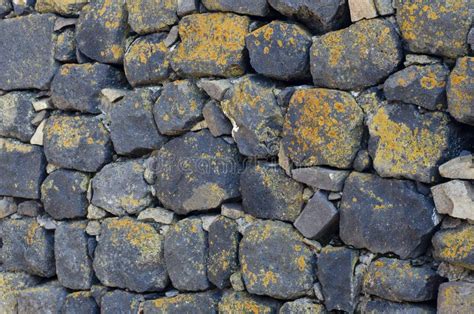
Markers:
48,299
216,89
242,302
80,302
65,49
158,214
362,9
8,206
198,303
321,178
460,91
119,301
150,16
382,306
455,297
30,208
16,115
461,167
12,284
248,7
5,7
217,122
455,198
455,246
302,306
62,7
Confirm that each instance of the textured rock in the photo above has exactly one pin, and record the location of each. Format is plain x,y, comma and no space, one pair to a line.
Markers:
216,120
242,302
186,251
80,302
122,302
280,50
179,107
150,16
27,50
378,306
158,214
196,303
22,169
275,262
247,7
62,7
7,206
423,86
256,116
384,7
362,9
455,198
461,167
425,26
47,299
267,192
455,297
359,56
460,91
65,48
206,174
385,215
212,44
322,127
30,208
77,142
78,86
12,284
455,246
321,178
216,89
129,255
5,7
16,115
302,306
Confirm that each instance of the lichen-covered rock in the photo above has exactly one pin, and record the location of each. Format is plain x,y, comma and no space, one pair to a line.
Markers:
186,251
267,192
151,16
77,142
122,302
102,30
196,303
77,86
378,306
12,284
359,56
27,50
320,16
460,91
26,246
65,48
399,281
129,255
133,130
386,215
64,194
120,188
146,61
322,127
216,121
436,27
62,7
406,144
80,302
243,302
179,107
275,261
45,299
16,114
455,246
340,286
423,86
280,50
456,297
22,169
206,173
303,306
212,44
256,116
455,198
247,7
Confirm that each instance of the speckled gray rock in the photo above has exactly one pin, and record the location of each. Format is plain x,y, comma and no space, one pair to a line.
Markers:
80,302
22,169
27,247
460,91
120,302
380,306
245,7
455,245
303,306
206,174
64,194
275,261
267,192
179,107
8,206
455,297
243,302
129,255
386,215
27,50
423,86
77,142
280,50
133,130
5,7
216,121
359,56
16,114
150,16
120,188
256,116
46,299
321,178
186,253
65,48
77,86
196,303
12,283
336,274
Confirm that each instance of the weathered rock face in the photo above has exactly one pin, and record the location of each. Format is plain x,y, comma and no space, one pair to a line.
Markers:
65,49
385,215
200,303
5,7
80,302
302,306
150,16
460,91
62,7
248,7
455,198
321,178
242,302
359,56
216,121
383,306
117,301
456,297
12,284
16,114
455,246
49,299
424,26
27,50
461,167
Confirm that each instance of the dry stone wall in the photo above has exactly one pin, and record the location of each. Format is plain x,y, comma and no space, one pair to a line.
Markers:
236,156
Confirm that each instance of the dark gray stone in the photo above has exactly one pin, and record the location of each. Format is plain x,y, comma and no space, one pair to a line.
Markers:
460,91
216,121
30,208
456,297
5,7
303,306
196,303
80,302
45,299
455,246
321,178
243,302
120,302
244,7
8,207
151,16
16,114
362,162
380,306
65,48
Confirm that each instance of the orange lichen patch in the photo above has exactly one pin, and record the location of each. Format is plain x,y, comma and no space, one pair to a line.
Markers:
11,146
60,6
430,81
142,51
456,244
141,235
460,89
333,41
68,132
31,233
243,304
163,304
269,277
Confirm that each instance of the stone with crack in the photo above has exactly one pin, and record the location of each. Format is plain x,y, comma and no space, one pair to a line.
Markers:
65,48
151,16
16,115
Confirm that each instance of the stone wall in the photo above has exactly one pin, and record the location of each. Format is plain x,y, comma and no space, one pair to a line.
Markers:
236,156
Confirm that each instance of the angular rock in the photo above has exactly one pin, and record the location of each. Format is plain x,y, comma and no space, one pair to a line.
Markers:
77,142
212,44
384,7
196,303
216,89
151,16
256,116
64,194
47,299
425,26
129,255
232,210
460,91
179,107
16,115
158,214
27,50
62,7
22,169
321,178
322,127
455,198
5,7
455,246
119,301
242,302
80,302
217,122
378,306
423,86
455,297
302,306
65,48
280,50
7,206
186,7
206,174
133,130
267,192
102,29
30,208
244,7
78,86
275,261
399,281
386,215
186,251
362,9
362,55
461,167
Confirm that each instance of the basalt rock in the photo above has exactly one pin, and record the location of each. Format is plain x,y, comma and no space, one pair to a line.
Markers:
455,246
80,302
16,115
62,7
456,297
242,302
460,91
248,7
151,16
199,303
65,49
119,301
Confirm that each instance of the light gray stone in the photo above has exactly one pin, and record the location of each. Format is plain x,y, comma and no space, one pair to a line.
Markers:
461,167
321,178
455,198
